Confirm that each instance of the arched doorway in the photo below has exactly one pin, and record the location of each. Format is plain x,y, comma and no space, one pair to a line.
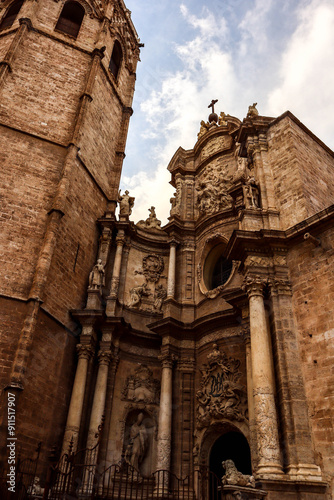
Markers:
231,445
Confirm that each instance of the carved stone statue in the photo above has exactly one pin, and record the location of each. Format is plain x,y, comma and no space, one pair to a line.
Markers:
252,111
203,129
251,193
222,119
97,276
126,203
35,488
159,297
176,200
151,222
136,294
138,443
241,173
234,477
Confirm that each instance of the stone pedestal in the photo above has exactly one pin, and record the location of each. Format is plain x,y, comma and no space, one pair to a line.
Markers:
93,299
230,492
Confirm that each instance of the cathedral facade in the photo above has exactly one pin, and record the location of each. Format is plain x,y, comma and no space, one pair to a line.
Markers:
176,348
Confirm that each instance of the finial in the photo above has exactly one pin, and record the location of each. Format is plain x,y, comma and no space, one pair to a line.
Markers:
213,117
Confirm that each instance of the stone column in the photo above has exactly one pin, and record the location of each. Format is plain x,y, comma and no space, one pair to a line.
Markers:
72,428
104,357
251,417
111,301
171,270
165,420
265,414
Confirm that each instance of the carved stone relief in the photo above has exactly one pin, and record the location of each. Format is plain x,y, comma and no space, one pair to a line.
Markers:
142,387
215,145
221,395
152,268
137,293
212,189
153,265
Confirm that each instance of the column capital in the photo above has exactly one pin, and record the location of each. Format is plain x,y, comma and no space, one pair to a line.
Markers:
280,286
186,364
167,360
104,357
173,242
120,240
84,351
254,285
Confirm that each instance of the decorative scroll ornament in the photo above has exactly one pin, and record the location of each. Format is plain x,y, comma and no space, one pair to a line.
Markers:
221,395
142,387
153,265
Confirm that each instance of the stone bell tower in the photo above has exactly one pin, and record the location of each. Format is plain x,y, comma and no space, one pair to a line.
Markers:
67,77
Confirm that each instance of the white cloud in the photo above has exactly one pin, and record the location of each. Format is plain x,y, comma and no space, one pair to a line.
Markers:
307,70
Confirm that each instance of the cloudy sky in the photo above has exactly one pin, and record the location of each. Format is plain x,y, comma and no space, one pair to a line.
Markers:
278,53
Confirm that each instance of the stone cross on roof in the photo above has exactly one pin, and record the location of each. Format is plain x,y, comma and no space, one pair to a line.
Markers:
212,104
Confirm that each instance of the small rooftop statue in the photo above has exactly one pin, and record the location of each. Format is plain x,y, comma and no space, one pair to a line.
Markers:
126,203
252,111
151,222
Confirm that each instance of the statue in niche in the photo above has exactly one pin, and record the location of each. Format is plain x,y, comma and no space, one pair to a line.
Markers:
151,222
234,477
138,443
252,111
159,297
97,276
126,204
136,294
251,193
203,129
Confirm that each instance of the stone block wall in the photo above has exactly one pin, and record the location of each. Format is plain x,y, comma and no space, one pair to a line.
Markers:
312,273
302,169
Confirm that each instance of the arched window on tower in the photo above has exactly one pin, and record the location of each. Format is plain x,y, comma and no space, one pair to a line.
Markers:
70,19
11,14
116,59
